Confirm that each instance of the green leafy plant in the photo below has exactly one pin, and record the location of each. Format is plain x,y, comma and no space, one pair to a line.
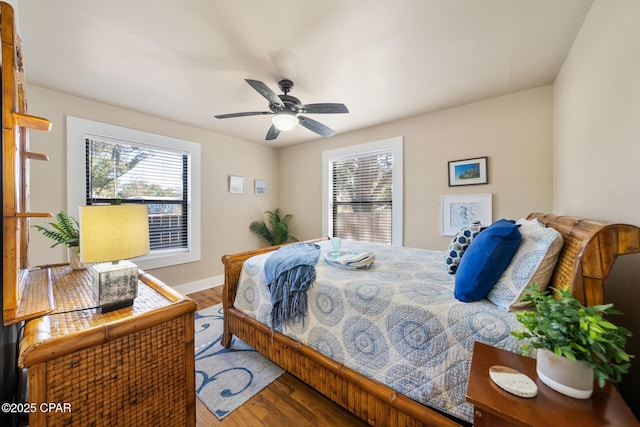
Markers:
65,230
277,232
563,325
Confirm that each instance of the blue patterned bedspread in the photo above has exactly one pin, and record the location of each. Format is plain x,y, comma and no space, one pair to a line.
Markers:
397,322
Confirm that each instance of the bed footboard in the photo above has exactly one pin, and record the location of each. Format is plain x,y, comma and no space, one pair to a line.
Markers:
232,268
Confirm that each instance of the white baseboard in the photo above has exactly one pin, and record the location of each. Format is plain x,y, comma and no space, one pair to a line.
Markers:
199,285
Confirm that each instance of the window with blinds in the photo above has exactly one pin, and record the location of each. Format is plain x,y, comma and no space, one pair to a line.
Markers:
127,173
362,196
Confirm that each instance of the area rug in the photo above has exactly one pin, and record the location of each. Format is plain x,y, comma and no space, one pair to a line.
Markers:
226,378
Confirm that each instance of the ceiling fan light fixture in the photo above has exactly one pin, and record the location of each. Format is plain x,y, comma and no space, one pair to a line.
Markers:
285,121
286,111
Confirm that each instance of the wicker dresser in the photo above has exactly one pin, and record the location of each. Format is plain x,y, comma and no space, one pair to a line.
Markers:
129,367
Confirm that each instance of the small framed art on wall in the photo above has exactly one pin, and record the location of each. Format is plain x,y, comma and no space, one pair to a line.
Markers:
463,209
468,172
236,184
261,188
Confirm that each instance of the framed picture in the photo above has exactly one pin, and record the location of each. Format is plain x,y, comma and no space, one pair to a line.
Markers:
463,209
468,172
236,184
261,187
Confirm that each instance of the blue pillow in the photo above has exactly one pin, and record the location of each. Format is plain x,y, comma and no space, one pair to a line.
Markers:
486,258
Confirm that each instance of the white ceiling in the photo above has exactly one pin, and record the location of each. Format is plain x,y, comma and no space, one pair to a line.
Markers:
186,60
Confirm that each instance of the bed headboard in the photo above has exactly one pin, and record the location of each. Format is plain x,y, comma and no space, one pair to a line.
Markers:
589,251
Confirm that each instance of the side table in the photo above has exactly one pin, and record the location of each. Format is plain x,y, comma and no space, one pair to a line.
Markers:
495,407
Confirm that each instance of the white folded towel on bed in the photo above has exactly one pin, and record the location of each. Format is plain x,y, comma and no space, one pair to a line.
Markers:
357,260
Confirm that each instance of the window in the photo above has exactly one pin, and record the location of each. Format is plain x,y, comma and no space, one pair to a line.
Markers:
138,167
362,192
134,174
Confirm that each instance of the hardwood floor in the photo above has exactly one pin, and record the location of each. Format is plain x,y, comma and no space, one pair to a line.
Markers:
285,402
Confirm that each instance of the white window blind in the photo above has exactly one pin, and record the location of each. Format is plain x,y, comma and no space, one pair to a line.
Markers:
128,173
362,196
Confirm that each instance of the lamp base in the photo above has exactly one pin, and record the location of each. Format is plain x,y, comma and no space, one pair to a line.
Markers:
115,306
114,285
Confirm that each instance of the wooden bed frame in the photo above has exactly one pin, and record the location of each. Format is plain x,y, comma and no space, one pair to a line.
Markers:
589,251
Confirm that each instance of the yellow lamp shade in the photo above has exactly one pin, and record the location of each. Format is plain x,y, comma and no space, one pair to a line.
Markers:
113,232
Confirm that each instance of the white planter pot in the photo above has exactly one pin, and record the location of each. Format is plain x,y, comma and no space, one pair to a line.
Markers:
74,258
565,376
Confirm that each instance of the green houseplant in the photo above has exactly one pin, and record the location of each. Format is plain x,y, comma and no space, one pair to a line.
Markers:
277,231
65,231
563,325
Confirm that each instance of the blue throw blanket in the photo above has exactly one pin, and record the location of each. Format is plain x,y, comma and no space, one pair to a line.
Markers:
289,272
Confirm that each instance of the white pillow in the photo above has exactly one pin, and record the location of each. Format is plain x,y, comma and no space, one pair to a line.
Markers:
533,262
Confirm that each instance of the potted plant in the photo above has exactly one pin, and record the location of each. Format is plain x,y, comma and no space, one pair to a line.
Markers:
570,336
65,232
277,232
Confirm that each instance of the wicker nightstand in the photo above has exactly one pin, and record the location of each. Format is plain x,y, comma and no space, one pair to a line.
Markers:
133,366
495,407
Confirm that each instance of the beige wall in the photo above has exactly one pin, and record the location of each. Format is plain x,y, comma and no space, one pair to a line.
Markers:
597,120
514,131
225,216
597,144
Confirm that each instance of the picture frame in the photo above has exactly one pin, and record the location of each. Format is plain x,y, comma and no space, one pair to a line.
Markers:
236,184
468,172
261,187
463,209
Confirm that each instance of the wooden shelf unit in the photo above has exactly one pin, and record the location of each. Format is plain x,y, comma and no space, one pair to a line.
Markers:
16,157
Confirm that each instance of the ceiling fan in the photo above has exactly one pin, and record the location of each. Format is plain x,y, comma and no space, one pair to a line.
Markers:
287,110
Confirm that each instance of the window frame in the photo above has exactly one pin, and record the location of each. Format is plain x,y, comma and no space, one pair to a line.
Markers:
79,129
394,144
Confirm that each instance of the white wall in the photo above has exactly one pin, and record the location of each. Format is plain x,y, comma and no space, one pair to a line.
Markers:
597,145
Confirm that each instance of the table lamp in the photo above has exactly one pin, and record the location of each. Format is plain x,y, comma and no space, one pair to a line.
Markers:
109,235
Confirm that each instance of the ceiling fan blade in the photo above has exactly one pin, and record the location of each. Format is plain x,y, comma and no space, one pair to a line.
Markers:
264,90
326,108
316,127
272,133
248,113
